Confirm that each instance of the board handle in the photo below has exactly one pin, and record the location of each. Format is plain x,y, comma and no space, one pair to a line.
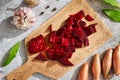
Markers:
22,73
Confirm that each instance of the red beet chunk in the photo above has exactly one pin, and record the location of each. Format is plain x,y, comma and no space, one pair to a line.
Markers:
69,21
60,32
66,33
77,32
89,18
71,42
50,53
58,39
32,46
86,42
79,15
41,57
65,42
82,37
33,49
41,43
92,26
32,43
52,37
69,29
69,55
82,24
78,44
65,62
90,29
72,48
50,28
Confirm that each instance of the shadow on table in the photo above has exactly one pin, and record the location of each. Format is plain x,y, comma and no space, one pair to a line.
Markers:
8,30
39,76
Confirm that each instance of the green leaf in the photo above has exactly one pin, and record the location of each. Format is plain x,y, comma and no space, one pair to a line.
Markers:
113,3
113,14
12,54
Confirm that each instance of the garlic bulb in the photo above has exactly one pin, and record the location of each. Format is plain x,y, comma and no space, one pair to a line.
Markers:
24,18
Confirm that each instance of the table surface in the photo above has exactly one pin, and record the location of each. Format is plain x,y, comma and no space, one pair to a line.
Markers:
9,34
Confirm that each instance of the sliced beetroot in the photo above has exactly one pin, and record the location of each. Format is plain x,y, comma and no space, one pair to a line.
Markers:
89,18
66,33
69,54
65,62
77,32
92,26
72,48
53,36
86,42
65,42
69,21
71,42
60,32
41,57
58,39
32,42
50,53
32,46
50,28
69,29
33,50
82,24
82,37
90,29
78,44
41,43
79,15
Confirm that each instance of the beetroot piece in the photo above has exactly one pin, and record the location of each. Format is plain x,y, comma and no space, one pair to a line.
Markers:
69,21
82,24
65,62
32,46
41,57
69,29
78,44
89,18
86,42
50,28
78,32
71,42
66,33
50,53
65,42
79,15
52,37
90,29
37,44
41,43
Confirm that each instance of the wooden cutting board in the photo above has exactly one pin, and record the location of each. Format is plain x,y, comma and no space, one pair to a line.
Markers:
54,69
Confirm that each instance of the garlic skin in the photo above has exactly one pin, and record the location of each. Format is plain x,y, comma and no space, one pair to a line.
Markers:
32,2
24,18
